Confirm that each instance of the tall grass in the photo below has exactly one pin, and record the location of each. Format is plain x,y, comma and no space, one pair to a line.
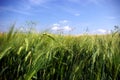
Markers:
32,56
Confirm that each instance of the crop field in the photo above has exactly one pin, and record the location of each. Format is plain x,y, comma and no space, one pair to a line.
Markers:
45,56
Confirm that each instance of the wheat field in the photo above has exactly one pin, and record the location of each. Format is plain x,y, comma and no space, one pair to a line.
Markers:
45,56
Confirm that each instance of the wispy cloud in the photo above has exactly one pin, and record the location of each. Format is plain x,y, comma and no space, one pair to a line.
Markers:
63,21
72,11
75,1
111,17
11,9
98,2
39,2
56,24
77,14
84,2
94,1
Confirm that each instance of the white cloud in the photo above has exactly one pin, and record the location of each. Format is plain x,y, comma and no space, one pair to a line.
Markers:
61,26
55,28
67,28
102,30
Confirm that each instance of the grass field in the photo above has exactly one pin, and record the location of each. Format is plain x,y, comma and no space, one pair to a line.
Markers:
44,56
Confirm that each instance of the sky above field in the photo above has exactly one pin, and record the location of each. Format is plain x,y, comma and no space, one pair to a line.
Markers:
67,16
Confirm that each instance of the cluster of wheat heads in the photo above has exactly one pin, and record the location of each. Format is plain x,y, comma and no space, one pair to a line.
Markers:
33,56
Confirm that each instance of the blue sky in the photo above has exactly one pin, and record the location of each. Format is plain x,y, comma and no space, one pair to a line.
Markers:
69,16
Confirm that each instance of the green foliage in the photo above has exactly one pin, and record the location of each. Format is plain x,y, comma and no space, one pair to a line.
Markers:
32,56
